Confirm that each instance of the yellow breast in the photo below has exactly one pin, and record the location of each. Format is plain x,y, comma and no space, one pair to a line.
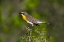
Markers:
24,17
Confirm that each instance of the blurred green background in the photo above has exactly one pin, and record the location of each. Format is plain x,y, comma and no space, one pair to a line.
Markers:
12,26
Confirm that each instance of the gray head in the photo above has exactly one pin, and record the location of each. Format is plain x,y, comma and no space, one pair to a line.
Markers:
25,13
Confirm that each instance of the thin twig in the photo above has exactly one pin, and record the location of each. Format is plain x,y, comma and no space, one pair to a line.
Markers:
29,34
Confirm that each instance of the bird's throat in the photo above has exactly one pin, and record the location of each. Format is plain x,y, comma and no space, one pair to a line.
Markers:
24,17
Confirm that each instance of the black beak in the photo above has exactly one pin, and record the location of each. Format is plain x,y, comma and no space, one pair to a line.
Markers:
20,13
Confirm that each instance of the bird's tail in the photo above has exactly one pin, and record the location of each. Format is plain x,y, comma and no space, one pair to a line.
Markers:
45,23
39,22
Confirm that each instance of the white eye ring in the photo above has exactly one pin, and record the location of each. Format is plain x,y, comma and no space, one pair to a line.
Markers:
22,12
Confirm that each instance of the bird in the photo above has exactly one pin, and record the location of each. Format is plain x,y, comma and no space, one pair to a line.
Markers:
31,20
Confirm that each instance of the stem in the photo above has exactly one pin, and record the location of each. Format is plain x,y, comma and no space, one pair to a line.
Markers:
29,34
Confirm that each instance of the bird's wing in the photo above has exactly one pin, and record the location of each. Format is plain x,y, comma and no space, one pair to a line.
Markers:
33,20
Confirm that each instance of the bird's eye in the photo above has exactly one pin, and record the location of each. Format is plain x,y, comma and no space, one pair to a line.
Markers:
21,12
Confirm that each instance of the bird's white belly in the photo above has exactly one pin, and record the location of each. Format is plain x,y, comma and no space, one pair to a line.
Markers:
30,23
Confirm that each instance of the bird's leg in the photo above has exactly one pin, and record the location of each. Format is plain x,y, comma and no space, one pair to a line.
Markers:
36,24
